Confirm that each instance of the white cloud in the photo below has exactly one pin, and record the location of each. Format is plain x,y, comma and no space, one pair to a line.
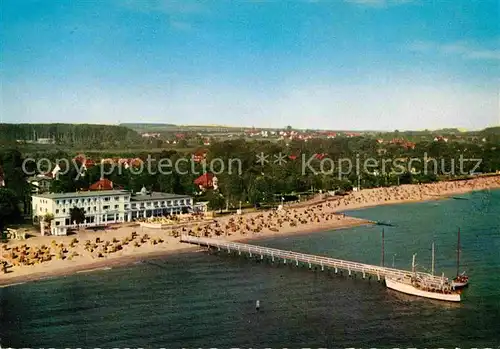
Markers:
170,7
463,49
180,14
379,3
181,25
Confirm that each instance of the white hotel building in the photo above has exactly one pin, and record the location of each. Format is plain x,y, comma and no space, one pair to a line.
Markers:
107,206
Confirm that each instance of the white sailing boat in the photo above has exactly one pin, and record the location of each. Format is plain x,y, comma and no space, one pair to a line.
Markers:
424,285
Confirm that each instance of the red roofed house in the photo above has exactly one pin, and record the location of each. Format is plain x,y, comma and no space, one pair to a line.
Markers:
199,156
403,143
86,163
206,181
137,162
80,158
89,163
102,184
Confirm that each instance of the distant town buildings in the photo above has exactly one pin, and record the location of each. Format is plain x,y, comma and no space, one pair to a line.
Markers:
403,143
440,138
150,135
123,162
37,141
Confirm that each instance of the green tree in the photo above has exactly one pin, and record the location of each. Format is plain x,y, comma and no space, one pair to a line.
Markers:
48,217
77,215
406,178
216,200
9,211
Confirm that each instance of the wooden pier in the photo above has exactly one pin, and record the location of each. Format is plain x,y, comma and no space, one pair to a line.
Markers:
311,260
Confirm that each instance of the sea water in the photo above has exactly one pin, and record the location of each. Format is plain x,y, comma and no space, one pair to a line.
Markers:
208,301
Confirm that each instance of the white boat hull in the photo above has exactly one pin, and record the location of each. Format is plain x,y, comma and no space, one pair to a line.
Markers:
410,289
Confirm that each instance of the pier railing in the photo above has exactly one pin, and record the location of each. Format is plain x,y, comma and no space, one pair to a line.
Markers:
297,257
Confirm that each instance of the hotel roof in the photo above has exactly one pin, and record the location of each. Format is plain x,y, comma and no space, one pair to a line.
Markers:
82,193
133,197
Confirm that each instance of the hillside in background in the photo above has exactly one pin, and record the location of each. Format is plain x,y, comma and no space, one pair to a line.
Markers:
491,131
148,127
161,128
71,135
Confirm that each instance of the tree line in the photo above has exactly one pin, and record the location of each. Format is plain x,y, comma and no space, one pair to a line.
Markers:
258,183
71,135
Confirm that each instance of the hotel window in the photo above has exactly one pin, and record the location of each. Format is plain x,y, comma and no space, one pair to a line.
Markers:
57,211
64,210
106,199
105,207
175,202
57,223
117,198
116,206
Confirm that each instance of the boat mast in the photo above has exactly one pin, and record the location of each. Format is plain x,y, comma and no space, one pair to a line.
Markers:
413,263
432,268
458,252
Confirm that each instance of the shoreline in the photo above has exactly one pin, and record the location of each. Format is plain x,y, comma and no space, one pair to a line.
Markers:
316,217
124,260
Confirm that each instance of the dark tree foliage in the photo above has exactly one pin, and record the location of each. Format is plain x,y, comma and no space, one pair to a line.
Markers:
9,211
72,135
77,215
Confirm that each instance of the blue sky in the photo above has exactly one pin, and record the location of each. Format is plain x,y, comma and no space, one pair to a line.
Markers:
344,64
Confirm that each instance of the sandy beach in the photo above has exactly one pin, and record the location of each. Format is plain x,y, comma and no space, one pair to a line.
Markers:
49,256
